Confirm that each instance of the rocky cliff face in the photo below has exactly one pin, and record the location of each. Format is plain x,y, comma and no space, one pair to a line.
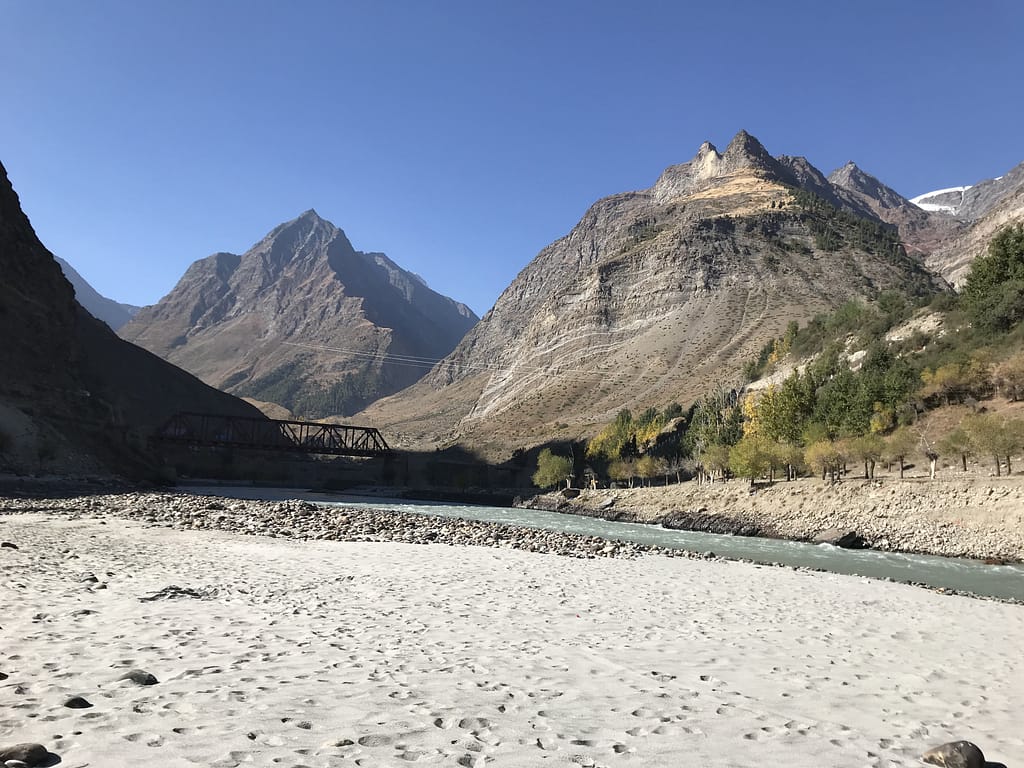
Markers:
71,391
653,297
303,320
972,216
111,312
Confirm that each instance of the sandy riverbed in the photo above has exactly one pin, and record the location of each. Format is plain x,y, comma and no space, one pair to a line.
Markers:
320,653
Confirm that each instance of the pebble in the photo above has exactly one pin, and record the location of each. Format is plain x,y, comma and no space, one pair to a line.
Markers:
305,521
77,702
8,545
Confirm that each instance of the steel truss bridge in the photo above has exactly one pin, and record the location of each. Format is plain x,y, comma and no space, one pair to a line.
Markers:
213,431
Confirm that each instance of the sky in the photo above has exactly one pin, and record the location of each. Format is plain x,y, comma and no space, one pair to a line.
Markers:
460,137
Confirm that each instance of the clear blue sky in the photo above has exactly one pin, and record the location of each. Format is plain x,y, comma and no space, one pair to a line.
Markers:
462,137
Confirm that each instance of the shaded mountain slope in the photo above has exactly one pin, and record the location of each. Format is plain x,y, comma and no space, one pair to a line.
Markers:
73,396
303,320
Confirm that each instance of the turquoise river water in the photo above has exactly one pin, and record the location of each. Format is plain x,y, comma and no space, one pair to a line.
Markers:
1004,581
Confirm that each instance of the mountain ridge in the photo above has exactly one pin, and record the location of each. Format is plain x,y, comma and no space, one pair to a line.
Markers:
653,296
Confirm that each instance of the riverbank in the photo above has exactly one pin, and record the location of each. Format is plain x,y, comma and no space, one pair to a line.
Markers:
306,521
979,518
270,649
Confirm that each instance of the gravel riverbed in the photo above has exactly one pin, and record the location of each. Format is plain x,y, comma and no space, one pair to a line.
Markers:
304,520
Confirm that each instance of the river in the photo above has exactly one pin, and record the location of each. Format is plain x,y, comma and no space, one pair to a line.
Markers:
1004,581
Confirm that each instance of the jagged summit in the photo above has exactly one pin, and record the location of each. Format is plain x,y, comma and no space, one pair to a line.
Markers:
743,154
746,150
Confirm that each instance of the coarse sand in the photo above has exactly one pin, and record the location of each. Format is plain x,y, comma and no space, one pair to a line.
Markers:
275,652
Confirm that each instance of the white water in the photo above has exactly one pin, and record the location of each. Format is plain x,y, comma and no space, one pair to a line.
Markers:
1006,581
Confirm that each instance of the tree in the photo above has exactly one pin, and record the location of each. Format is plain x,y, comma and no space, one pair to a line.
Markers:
993,293
750,457
622,470
1009,377
930,450
552,469
787,455
649,467
994,436
868,449
958,443
944,382
899,445
716,459
717,419
613,441
826,457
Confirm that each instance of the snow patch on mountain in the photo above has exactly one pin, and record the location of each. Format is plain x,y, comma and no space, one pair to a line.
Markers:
946,200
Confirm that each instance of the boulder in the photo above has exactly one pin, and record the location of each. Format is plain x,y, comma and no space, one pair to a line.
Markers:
955,754
28,753
843,539
139,677
570,493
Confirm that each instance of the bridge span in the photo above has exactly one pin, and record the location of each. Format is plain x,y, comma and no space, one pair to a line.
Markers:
215,431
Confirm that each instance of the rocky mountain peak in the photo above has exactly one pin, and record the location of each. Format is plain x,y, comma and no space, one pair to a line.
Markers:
708,153
853,179
306,239
849,175
304,320
745,150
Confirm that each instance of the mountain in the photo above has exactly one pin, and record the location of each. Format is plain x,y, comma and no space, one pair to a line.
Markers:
303,320
72,393
109,311
655,296
973,215
921,231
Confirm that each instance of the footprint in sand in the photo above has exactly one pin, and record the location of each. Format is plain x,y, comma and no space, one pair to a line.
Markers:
375,740
149,739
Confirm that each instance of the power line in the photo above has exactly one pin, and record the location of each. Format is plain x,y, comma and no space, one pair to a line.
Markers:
429,363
